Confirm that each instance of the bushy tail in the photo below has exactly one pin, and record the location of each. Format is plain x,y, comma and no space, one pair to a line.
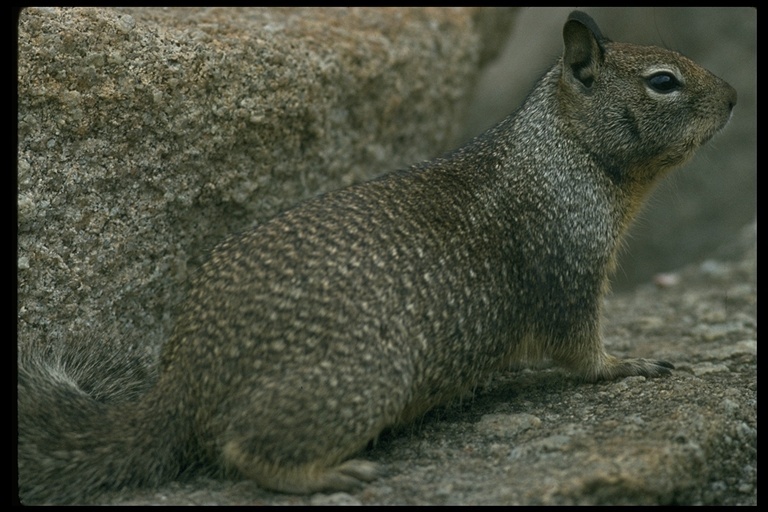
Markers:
81,434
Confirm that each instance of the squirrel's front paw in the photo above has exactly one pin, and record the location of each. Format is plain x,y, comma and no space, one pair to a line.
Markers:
616,368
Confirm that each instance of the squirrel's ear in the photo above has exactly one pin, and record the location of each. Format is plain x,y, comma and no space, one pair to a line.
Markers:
584,50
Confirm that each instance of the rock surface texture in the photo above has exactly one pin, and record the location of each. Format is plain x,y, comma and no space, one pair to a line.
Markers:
147,135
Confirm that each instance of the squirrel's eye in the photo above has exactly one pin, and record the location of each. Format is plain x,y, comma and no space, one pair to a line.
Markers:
663,82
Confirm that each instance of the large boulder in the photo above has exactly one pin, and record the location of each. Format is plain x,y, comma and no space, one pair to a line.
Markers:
146,135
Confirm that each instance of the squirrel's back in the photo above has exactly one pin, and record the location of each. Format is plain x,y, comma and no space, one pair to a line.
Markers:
302,339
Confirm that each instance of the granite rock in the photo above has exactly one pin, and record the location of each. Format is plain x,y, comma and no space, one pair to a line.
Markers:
148,134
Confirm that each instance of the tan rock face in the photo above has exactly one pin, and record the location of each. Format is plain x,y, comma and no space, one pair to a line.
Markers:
146,135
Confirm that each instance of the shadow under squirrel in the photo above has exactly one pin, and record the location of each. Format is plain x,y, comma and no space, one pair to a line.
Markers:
302,339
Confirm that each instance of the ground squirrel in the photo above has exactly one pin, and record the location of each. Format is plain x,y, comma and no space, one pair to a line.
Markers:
302,339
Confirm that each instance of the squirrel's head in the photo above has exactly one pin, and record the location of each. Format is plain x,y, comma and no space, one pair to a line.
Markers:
640,110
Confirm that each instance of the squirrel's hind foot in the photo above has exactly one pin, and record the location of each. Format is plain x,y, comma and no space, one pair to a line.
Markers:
308,478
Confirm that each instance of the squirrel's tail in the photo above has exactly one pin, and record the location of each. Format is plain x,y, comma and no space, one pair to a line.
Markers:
81,435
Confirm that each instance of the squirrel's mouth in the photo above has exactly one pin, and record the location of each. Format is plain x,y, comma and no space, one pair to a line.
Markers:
699,136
